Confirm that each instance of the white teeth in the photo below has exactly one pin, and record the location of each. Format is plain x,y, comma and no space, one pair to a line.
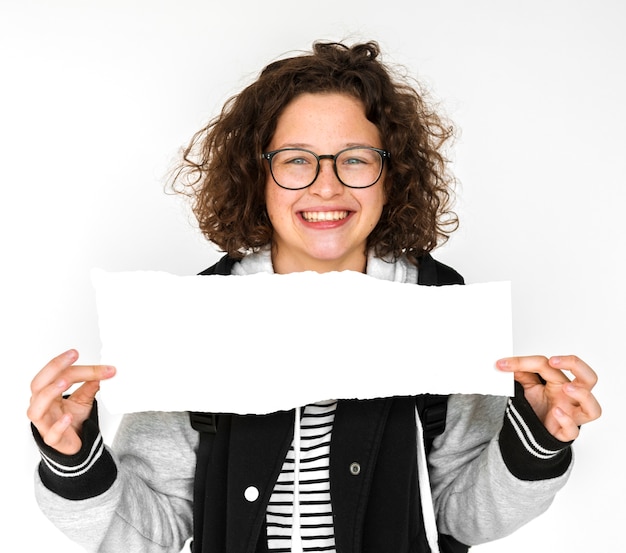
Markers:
316,216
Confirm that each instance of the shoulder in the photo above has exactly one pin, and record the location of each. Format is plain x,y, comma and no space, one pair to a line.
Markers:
223,267
435,273
152,432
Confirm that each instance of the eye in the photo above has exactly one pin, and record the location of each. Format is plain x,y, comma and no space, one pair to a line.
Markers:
353,160
356,158
297,161
294,158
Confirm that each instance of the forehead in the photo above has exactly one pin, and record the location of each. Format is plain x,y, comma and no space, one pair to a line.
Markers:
312,118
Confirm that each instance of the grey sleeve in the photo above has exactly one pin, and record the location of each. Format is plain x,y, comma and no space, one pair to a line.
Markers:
478,497
149,506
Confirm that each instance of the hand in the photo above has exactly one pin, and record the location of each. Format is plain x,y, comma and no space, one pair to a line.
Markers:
60,420
562,405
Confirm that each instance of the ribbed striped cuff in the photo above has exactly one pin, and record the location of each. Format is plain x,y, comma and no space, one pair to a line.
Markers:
528,449
88,473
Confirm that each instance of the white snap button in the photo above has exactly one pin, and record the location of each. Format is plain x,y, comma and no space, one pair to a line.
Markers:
355,469
251,494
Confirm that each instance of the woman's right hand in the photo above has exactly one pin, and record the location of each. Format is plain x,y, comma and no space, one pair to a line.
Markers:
60,420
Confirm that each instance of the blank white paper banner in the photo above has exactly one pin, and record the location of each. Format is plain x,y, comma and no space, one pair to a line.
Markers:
263,343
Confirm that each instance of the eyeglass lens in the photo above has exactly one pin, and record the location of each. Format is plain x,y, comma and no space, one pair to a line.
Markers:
355,167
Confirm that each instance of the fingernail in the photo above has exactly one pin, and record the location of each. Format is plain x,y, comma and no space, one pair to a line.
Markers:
555,360
502,364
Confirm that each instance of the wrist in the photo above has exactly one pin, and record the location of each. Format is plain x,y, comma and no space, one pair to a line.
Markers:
87,473
528,449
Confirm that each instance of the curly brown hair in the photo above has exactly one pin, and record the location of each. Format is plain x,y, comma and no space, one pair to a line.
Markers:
223,173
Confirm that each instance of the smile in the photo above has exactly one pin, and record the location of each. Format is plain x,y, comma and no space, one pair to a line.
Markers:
318,216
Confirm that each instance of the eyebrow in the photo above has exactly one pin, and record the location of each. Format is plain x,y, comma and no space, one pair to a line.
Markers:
304,146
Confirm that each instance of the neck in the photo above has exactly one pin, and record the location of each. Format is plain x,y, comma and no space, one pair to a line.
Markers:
296,265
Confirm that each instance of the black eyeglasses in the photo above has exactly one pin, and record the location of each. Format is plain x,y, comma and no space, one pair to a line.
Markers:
356,167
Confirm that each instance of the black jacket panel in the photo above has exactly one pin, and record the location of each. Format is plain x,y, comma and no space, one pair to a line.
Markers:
373,469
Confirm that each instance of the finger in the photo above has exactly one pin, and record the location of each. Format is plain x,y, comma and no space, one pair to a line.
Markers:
536,364
86,393
588,404
42,400
568,429
527,380
87,373
583,374
52,369
60,439
80,373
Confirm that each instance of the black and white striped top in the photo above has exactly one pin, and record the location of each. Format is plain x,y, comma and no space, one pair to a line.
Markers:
316,521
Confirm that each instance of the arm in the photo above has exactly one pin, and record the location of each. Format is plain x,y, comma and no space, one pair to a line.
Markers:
136,499
492,473
478,497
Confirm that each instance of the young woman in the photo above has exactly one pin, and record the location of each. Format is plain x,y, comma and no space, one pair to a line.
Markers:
327,162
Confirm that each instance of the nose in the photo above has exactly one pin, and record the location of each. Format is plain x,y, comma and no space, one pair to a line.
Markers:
326,185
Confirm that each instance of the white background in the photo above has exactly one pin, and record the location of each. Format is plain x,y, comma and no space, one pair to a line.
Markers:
97,97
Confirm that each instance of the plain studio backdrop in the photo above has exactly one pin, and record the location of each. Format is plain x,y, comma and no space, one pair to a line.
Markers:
97,98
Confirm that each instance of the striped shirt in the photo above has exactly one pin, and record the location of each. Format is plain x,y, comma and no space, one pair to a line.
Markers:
316,520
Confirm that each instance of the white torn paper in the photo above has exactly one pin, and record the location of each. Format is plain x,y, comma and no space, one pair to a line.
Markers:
263,343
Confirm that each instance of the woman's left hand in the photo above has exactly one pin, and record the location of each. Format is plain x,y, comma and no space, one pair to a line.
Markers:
562,405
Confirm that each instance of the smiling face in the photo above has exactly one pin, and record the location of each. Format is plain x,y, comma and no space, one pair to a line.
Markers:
323,227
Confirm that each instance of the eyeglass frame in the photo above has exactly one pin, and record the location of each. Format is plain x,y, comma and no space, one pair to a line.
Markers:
384,155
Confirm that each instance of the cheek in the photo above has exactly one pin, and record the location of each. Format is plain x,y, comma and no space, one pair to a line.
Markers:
277,203
375,204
